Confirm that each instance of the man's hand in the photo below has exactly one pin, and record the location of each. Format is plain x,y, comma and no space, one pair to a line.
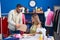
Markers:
17,25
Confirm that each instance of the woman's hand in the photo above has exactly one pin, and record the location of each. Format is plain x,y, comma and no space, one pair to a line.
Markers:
28,34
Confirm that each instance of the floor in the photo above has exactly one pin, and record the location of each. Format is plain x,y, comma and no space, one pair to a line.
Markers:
0,36
57,36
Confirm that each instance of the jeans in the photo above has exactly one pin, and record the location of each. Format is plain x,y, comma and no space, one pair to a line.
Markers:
50,31
14,32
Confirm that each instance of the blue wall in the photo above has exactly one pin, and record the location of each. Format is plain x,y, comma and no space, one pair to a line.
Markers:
7,5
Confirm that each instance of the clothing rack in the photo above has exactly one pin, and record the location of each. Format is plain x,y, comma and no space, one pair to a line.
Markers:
58,27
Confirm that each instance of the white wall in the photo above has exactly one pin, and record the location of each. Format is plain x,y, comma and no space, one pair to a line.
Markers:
56,7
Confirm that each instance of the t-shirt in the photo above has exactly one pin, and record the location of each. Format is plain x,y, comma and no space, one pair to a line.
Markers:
33,29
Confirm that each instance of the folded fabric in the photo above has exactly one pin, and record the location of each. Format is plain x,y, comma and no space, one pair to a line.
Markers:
43,30
17,35
11,38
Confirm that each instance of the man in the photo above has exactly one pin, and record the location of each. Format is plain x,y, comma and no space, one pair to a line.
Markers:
15,19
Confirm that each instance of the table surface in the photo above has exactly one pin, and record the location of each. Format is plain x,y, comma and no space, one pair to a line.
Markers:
30,37
36,38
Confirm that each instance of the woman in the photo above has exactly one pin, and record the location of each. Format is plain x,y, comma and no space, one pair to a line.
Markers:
36,27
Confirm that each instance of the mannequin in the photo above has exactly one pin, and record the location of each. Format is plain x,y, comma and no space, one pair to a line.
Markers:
23,9
46,13
49,16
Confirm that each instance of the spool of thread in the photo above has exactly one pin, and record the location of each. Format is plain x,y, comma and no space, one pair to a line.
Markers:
41,37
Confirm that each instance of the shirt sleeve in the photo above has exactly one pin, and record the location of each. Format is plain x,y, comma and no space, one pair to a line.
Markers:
10,20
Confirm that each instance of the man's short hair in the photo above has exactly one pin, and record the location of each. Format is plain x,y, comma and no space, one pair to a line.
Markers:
48,7
18,5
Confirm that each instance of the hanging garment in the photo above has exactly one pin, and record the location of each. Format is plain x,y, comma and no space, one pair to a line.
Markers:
55,24
58,27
